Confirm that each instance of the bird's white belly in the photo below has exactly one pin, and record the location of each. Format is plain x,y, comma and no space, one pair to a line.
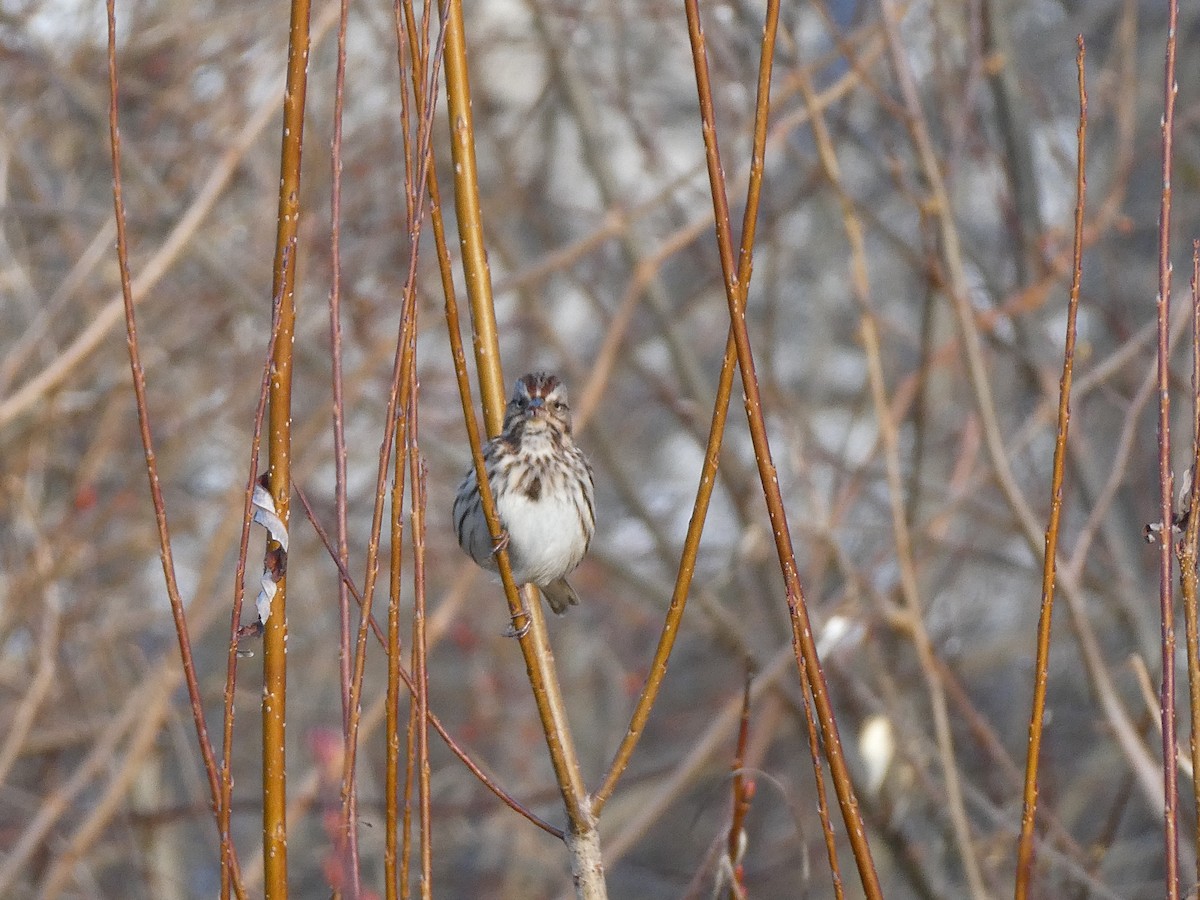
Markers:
545,539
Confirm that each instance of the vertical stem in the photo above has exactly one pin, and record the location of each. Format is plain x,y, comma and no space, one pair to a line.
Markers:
470,222
398,397
225,808
348,847
1166,491
716,433
743,791
335,334
804,644
395,860
1189,549
1041,667
419,667
398,855
279,444
218,780
392,737
582,838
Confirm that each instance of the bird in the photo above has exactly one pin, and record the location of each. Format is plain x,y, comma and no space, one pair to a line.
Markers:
543,489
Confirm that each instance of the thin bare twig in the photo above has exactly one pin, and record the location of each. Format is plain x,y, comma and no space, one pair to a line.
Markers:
419,667
743,795
804,644
397,828
348,856
1166,555
957,288
395,843
159,264
228,852
239,590
716,433
455,748
1189,550
702,750
402,383
1025,847
42,680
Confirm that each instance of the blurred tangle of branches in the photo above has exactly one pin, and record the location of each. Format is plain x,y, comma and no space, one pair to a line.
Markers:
597,218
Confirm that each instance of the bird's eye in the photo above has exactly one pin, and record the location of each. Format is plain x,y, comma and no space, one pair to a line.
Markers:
560,406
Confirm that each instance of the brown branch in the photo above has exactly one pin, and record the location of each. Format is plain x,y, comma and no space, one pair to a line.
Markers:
804,644
1189,551
274,699
397,838
716,433
239,591
398,833
476,272
526,610
1165,479
402,384
1025,847
956,286
702,750
419,657
215,778
348,855
743,795
410,686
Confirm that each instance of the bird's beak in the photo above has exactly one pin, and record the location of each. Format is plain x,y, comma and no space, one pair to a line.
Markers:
537,406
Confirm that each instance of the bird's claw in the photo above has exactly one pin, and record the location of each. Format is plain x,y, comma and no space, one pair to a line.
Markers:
500,543
519,631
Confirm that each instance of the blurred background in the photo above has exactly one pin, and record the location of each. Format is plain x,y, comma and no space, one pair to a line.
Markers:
596,206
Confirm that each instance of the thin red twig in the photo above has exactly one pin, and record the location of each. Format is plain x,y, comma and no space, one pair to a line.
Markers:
406,678
348,854
401,384
1189,550
215,780
743,794
1165,480
393,647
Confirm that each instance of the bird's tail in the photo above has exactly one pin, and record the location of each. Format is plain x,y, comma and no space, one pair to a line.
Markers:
559,594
